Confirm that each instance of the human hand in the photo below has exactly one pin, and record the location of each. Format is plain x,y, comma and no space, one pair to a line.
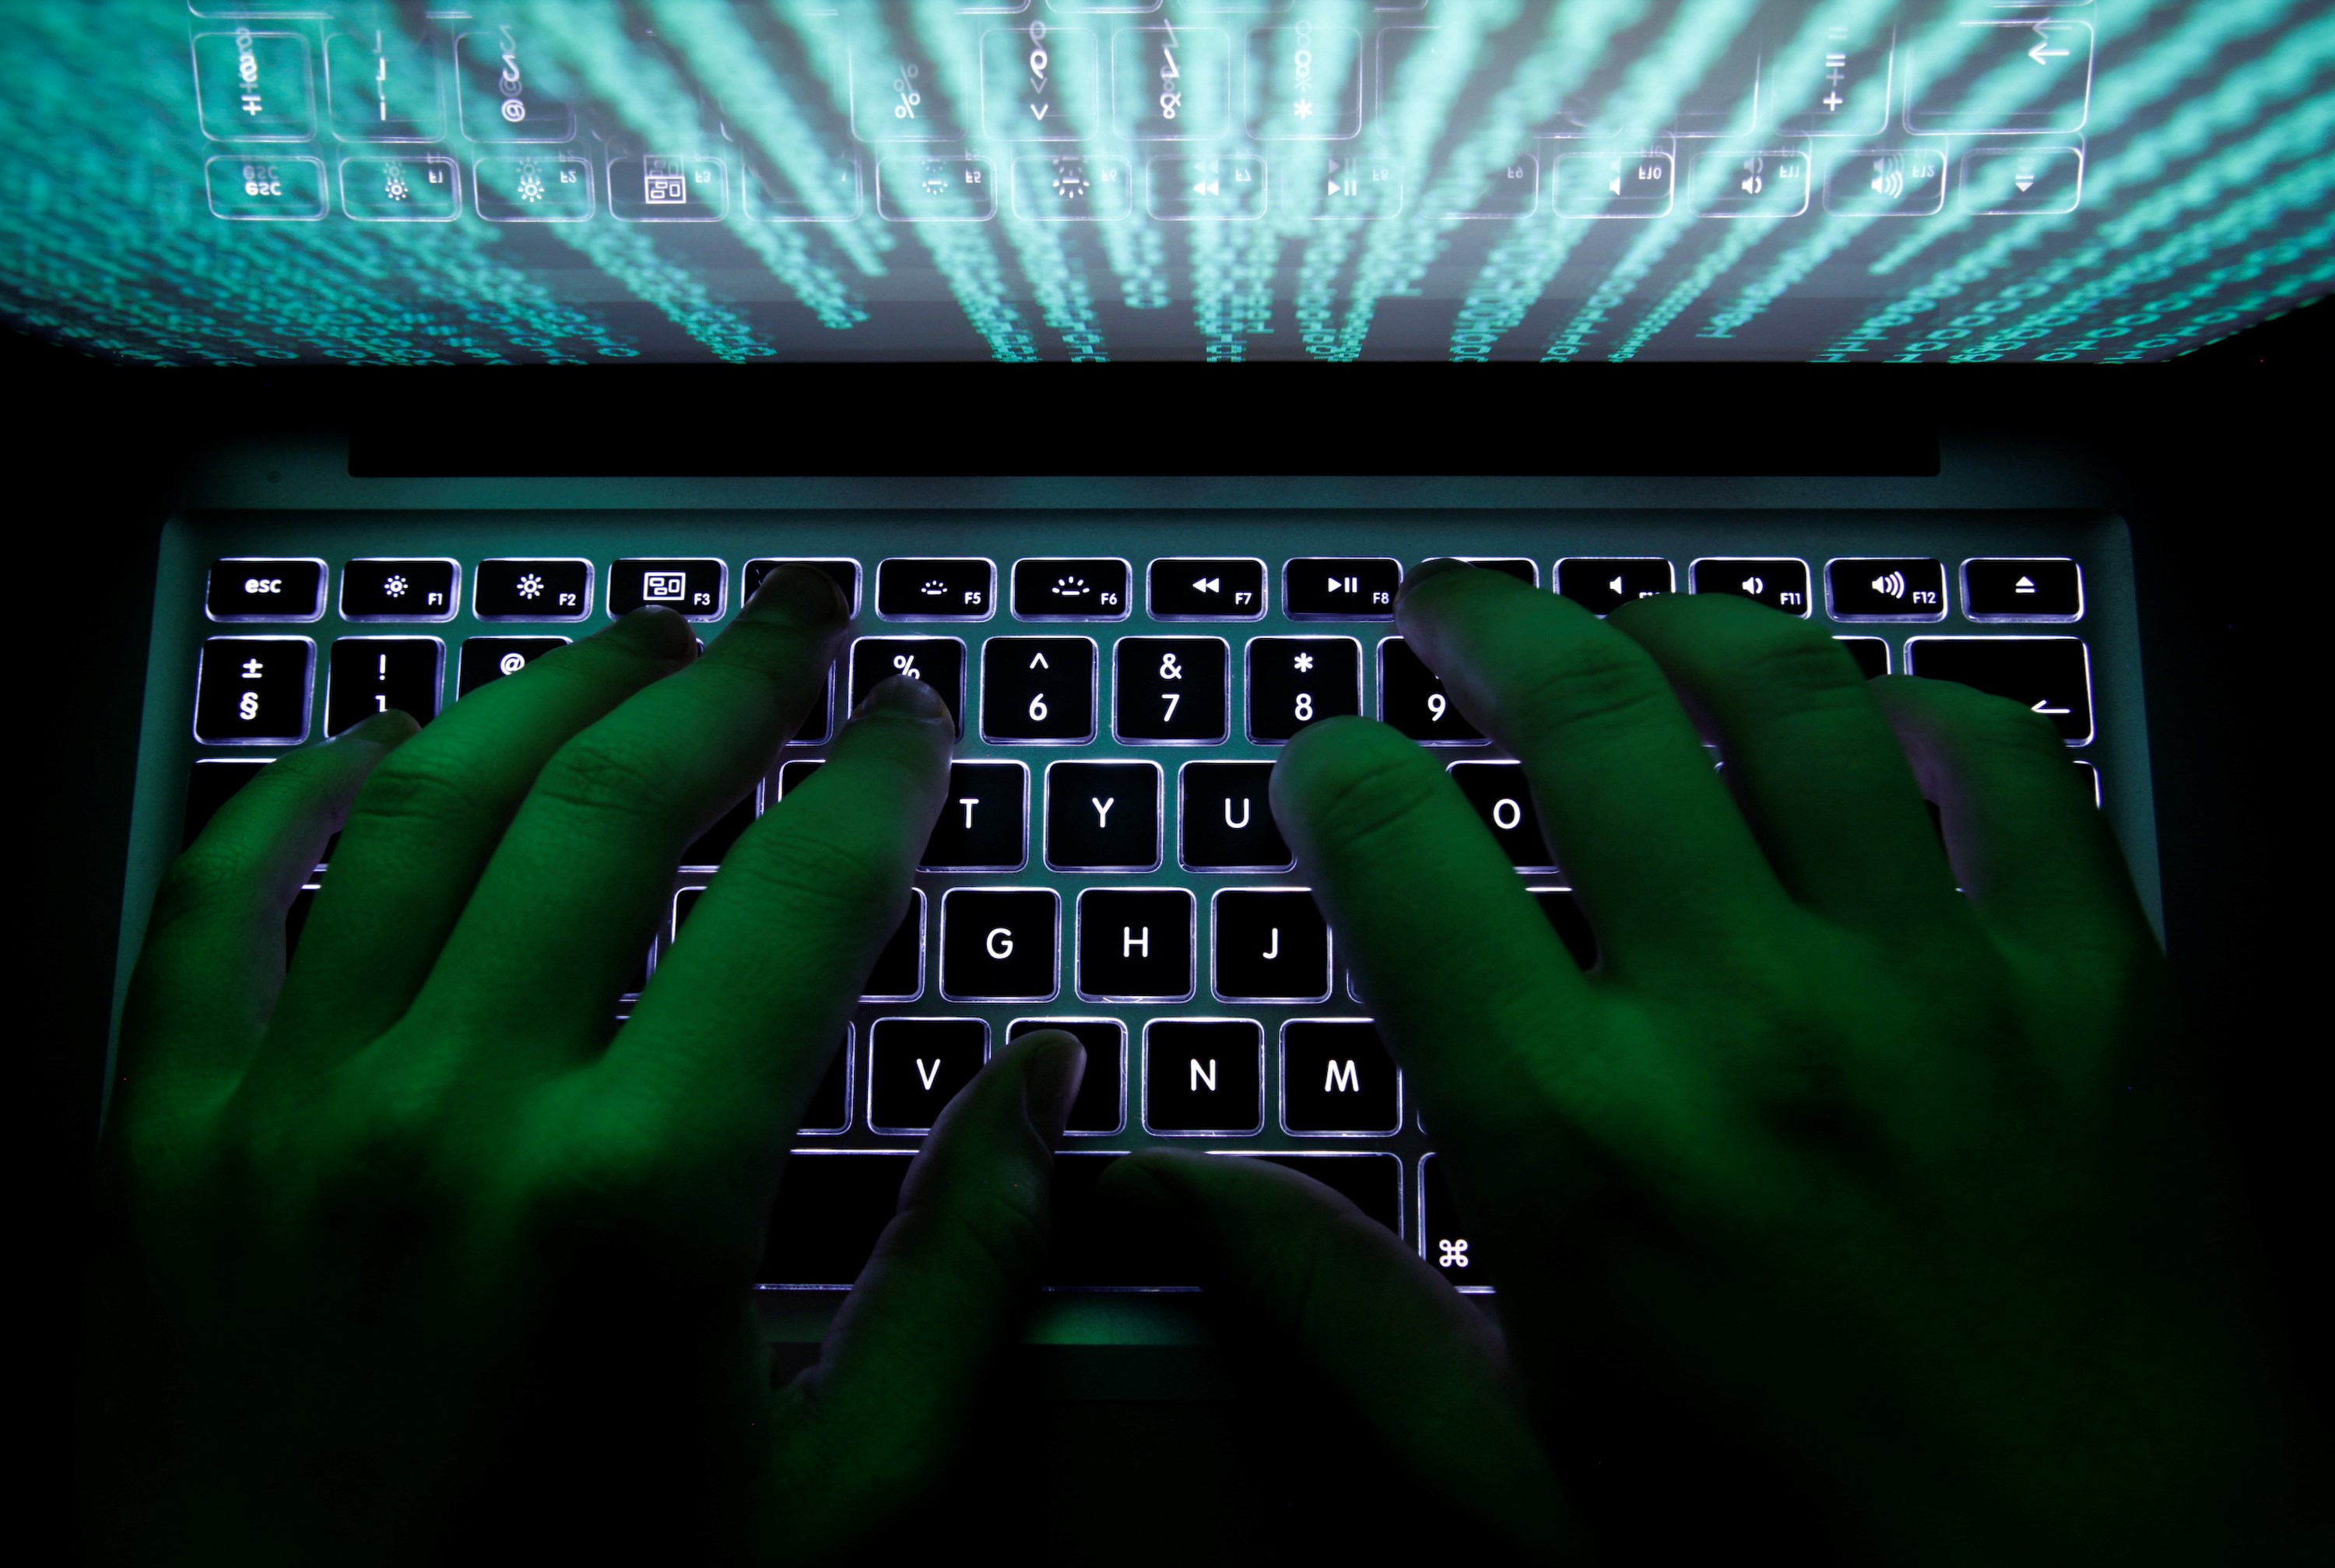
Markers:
1835,1206
413,1249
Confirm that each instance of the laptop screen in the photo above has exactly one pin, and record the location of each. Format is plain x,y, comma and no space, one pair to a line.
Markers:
388,181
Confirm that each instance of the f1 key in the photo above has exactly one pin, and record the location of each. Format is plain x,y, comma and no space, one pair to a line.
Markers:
2050,675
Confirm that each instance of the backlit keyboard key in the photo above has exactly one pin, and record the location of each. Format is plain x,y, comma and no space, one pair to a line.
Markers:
211,783
1886,588
1339,587
832,1205
1100,1108
1443,1239
485,659
1503,799
1038,690
1294,681
2023,589
899,975
842,571
257,589
374,674
1603,585
916,1066
1000,945
1268,944
1207,588
714,844
1413,699
1780,583
937,662
937,588
1082,588
1203,1077
1372,1183
1135,944
1171,690
532,590
2050,675
1564,917
424,589
1103,816
1517,566
254,691
983,824
1224,814
692,587
1337,1079
828,1109
1871,654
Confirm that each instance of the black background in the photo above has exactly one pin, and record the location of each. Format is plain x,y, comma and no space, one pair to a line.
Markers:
2218,462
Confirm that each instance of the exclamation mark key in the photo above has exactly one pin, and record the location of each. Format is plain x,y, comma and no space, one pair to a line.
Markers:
370,675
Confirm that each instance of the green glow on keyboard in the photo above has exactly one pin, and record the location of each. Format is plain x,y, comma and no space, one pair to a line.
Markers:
562,181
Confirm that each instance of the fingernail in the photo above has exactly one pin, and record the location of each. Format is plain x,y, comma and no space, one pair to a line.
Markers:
1050,1082
384,728
658,632
1439,567
906,696
798,596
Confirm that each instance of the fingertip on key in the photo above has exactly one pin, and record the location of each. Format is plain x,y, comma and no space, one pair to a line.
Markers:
906,696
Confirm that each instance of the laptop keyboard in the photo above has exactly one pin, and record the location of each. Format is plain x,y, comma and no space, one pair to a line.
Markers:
1107,861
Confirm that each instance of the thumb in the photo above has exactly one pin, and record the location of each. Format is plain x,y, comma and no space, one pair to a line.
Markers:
875,1422
1286,1258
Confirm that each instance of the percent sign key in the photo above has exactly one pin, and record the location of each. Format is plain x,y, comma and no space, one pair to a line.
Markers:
937,662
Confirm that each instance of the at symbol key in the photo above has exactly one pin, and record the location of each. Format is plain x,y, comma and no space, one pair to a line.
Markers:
1038,690
2048,675
1341,587
485,659
374,674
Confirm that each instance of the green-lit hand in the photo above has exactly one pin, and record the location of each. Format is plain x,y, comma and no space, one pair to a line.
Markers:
1835,1206
411,1253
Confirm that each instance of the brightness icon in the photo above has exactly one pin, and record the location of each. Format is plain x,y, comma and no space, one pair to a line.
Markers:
530,586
